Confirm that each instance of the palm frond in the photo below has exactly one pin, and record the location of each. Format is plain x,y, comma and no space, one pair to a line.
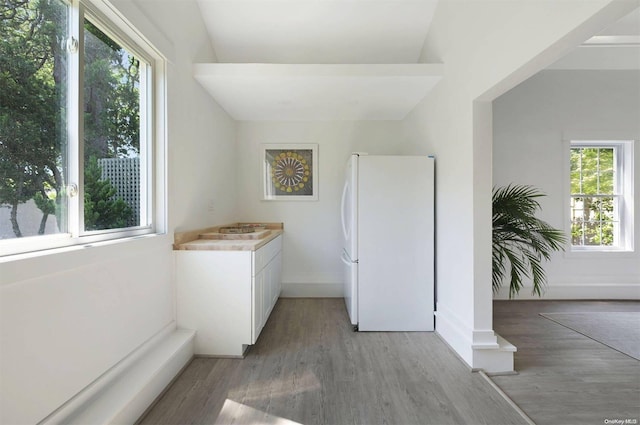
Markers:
521,241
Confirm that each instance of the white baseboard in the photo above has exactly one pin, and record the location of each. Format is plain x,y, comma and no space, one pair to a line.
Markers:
311,290
588,291
454,333
479,349
122,394
498,360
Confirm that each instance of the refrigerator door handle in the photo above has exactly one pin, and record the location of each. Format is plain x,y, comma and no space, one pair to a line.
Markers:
342,205
345,259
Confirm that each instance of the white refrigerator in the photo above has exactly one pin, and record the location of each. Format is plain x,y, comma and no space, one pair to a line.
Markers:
388,242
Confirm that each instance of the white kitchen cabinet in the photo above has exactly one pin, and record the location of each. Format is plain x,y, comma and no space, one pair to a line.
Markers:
226,296
267,284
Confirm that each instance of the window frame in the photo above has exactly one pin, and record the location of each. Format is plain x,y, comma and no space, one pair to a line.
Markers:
152,153
623,193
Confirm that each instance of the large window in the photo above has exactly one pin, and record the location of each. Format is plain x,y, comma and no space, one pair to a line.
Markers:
76,120
601,200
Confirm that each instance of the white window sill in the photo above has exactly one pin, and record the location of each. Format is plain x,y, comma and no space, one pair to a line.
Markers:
600,253
69,248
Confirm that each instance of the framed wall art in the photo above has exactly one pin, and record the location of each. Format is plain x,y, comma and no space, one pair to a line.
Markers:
290,172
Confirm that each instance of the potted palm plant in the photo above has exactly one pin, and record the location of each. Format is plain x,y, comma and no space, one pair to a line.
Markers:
521,241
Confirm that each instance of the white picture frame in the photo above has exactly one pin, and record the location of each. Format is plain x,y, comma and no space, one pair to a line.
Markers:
289,172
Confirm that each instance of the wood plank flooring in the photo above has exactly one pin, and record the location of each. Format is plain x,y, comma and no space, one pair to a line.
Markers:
565,377
309,367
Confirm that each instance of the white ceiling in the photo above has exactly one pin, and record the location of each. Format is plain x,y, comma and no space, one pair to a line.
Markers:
615,48
317,60
317,92
629,25
309,60
318,31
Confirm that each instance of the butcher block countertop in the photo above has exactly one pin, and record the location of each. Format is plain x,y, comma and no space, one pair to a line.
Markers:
216,238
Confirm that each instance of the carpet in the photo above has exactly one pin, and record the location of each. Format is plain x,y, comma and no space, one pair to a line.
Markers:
618,330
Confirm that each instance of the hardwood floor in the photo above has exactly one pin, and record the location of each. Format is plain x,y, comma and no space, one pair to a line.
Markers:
309,367
565,377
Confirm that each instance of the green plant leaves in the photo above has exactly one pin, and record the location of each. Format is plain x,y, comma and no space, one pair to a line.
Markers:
521,241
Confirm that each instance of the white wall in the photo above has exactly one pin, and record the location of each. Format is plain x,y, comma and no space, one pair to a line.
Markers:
529,125
66,318
312,241
487,48
202,150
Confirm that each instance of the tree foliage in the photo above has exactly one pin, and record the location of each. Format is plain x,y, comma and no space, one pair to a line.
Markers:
101,209
520,240
111,107
31,128
33,86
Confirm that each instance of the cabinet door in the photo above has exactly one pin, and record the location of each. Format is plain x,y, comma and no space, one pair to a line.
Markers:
257,304
276,279
268,284
271,289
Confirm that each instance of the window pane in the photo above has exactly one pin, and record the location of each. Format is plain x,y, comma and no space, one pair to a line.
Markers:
591,231
33,83
593,221
589,170
576,176
111,133
577,220
592,171
606,171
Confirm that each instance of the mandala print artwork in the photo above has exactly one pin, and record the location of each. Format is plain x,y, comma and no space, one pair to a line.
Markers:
291,171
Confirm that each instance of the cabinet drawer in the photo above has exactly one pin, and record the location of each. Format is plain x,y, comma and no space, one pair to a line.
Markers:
265,254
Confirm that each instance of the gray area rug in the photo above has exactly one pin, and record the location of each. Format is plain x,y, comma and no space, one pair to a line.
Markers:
618,330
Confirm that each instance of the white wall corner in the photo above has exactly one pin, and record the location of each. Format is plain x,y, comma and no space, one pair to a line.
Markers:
131,13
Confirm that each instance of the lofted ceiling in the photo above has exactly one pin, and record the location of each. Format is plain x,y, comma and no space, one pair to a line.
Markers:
317,31
615,48
310,60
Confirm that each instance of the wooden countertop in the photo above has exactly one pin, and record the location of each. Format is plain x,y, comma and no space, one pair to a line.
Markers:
210,239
